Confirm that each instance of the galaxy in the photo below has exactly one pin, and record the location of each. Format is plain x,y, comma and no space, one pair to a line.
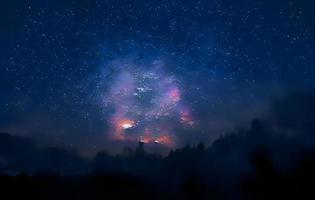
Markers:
146,104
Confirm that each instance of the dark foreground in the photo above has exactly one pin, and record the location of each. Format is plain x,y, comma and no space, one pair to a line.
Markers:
272,159
185,174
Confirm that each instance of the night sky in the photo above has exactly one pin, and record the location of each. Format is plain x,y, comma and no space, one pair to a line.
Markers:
100,75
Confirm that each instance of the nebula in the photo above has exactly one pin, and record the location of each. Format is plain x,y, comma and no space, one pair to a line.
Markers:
147,104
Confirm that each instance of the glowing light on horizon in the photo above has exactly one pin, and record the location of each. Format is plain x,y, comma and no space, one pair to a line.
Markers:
126,123
166,140
126,126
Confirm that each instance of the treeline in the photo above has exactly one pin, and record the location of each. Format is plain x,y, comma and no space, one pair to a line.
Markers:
250,164
272,159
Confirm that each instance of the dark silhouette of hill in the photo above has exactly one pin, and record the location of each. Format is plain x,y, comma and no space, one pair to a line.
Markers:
273,159
21,154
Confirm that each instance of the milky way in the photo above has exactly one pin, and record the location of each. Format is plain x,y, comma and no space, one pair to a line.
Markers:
146,103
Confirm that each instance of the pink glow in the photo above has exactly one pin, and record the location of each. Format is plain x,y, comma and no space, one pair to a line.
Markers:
166,140
185,117
174,94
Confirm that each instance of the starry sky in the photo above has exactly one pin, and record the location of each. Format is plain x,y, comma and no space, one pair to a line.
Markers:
103,74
